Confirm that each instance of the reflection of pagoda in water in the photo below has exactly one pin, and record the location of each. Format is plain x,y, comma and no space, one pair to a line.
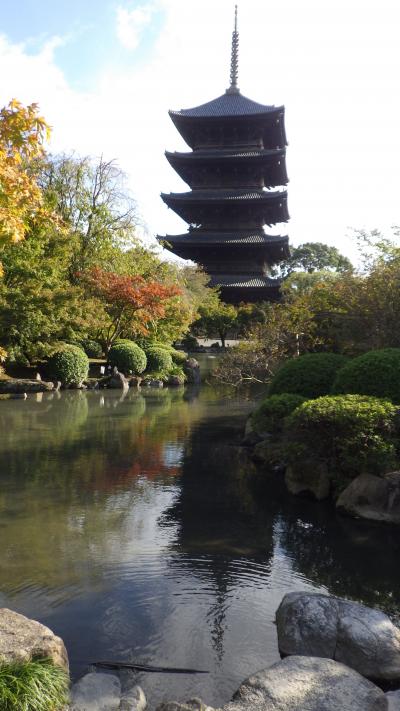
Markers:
236,163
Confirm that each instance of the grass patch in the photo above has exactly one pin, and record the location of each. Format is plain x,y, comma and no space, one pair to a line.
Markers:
33,686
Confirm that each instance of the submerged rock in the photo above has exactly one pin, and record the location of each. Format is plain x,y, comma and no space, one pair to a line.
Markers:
175,381
22,639
322,626
307,684
132,695
191,705
376,498
20,386
96,692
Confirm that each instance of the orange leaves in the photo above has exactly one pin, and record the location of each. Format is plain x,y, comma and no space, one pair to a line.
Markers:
130,301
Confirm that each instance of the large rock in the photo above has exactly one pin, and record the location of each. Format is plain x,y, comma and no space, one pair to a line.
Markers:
191,705
307,684
96,692
117,381
322,626
372,497
21,639
132,695
24,386
312,478
393,699
191,369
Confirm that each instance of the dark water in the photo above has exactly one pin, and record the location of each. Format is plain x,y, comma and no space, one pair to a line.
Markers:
128,527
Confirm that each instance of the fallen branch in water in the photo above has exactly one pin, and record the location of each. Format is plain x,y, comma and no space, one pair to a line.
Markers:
147,668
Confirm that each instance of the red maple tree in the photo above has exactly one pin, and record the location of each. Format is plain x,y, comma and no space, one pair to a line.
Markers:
131,302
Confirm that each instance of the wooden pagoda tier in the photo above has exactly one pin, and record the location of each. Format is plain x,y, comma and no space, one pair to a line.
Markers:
232,120
236,288
235,247
221,208
228,167
236,172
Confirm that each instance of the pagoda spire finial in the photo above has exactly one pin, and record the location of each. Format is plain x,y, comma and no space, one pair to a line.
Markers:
233,89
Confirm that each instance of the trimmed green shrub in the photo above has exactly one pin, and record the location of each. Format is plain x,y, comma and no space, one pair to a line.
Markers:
190,342
33,686
374,373
310,375
351,434
270,415
127,357
92,348
179,357
159,360
69,364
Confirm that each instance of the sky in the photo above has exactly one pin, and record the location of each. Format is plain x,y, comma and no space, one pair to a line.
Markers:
105,74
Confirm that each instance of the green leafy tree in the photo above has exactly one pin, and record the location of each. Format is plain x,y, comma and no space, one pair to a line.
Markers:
316,256
216,319
92,198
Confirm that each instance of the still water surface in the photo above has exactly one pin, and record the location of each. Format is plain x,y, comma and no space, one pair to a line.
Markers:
127,526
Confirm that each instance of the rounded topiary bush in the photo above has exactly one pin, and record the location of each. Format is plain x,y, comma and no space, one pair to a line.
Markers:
92,348
350,434
69,364
158,359
310,375
127,357
374,373
270,415
179,357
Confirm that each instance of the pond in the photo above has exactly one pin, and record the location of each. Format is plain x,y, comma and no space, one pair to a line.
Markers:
128,527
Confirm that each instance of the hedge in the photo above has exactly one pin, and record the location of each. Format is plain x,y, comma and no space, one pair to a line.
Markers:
310,375
92,348
351,434
69,364
270,415
127,357
374,373
159,360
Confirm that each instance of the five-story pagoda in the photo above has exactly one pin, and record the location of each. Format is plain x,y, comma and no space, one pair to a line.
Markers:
236,164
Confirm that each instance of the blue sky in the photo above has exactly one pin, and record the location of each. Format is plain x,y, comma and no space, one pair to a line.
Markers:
105,74
88,41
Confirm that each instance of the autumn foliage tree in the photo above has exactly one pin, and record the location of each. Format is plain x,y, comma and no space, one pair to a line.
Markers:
131,303
22,134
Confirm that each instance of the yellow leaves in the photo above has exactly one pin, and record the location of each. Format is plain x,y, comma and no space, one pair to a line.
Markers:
22,134
3,355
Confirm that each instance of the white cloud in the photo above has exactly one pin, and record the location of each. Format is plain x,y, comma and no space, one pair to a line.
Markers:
131,23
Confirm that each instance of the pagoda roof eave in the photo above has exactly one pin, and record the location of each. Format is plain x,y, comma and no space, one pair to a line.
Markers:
197,196
244,281
242,237
227,106
229,153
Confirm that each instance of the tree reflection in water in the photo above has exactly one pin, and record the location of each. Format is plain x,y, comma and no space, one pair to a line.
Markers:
128,525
